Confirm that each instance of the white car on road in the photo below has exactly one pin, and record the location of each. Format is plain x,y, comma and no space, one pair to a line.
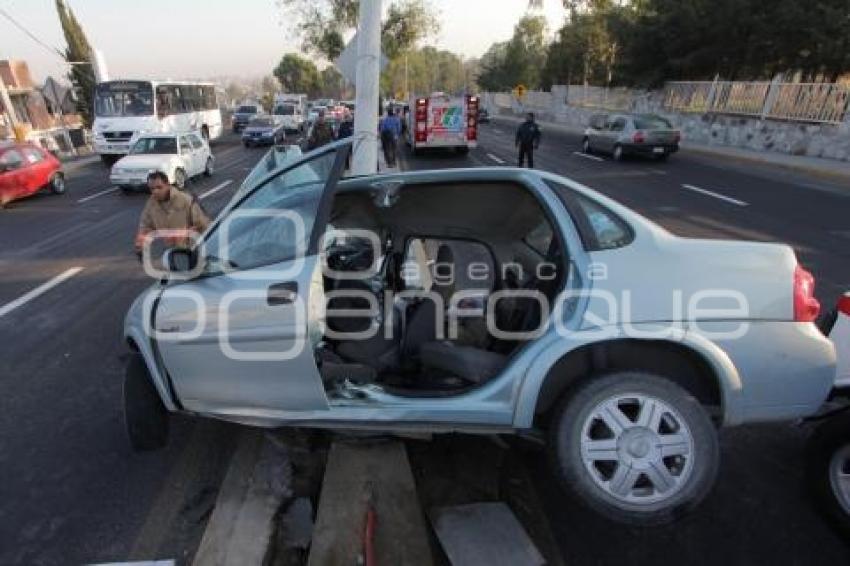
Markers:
180,156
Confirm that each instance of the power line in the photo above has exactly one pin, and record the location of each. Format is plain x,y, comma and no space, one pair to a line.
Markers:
32,36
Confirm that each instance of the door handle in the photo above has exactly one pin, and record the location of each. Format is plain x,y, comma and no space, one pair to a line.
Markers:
282,293
168,329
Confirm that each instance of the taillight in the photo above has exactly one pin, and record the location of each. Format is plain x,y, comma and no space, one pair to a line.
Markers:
844,304
472,121
638,137
421,119
806,306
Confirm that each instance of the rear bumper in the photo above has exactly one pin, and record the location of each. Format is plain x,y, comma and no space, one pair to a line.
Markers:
774,371
650,149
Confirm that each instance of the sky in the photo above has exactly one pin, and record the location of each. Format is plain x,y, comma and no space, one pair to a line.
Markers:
182,39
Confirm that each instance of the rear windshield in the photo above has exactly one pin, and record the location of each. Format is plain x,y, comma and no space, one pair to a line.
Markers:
247,110
155,145
652,123
284,110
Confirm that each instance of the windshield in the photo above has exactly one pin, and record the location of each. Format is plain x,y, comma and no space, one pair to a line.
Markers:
652,123
155,145
285,110
261,123
247,110
273,223
123,98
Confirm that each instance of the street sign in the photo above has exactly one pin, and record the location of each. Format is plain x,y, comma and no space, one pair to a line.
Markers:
346,63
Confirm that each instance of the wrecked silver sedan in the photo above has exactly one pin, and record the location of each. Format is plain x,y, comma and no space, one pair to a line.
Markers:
479,300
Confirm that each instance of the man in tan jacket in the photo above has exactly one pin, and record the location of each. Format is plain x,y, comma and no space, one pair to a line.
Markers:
175,215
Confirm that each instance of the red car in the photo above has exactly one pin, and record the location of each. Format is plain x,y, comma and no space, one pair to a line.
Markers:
25,169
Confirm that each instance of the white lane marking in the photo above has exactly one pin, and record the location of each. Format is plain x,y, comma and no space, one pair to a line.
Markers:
215,189
716,195
100,194
496,158
587,156
40,290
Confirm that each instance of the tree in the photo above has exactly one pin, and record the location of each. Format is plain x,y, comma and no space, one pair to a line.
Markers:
298,75
426,70
322,24
517,61
332,83
78,51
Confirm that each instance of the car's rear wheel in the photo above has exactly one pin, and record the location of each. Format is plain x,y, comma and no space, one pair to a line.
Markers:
145,417
108,160
634,447
585,146
828,470
57,184
618,154
180,179
209,167
662,156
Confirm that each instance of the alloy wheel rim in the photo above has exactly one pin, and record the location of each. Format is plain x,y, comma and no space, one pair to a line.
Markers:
209,167
839,476
59,184
637,449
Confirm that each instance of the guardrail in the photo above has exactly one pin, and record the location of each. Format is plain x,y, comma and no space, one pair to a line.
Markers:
801,102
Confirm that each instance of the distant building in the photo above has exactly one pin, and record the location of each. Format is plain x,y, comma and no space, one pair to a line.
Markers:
47,114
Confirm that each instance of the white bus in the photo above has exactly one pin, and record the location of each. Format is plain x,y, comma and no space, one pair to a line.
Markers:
128,108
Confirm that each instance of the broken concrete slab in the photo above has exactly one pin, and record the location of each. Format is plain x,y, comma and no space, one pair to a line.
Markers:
401,535
483,534
240,529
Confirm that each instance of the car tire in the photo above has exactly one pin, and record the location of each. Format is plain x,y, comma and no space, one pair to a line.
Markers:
126,189
57,184
209,167
145,416
827,460
662,157
205,133
585,146
108,160
588,454
618,153
463,150
180,179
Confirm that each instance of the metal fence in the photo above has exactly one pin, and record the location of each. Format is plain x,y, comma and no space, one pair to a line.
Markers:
803,102
601,97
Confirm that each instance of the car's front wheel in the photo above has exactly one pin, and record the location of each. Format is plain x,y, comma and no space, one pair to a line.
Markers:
618,154
57,184
209,167
828,470
145,417
634,447
585,146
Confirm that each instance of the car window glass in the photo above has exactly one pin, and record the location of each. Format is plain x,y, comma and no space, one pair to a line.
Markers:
272,224
618,125
196,141
610,231
155,146
12,159
652,123
185,147
33,155
540,238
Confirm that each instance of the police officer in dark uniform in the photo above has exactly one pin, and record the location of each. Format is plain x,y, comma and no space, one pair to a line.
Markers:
527,139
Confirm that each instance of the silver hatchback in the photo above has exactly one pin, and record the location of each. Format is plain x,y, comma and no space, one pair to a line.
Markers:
490,300
622,135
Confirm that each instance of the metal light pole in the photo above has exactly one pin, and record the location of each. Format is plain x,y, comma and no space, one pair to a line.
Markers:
365,160
10,110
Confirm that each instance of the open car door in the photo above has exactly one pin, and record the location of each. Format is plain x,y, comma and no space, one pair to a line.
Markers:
238,335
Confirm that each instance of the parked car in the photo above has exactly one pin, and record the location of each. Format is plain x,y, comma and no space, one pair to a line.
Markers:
267,130
26,169
244,114
622,135
180,156
490,300
483,115
828,455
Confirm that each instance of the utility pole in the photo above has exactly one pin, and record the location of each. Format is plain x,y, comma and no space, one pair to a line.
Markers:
365,160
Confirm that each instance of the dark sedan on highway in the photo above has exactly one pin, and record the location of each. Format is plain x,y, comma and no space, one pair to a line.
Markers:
267,130
622,135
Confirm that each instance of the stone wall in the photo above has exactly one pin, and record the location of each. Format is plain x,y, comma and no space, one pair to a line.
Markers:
830,141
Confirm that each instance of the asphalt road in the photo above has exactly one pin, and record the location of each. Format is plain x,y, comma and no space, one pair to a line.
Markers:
759,512
71,491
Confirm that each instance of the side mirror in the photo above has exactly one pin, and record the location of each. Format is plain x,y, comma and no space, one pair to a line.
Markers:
178,260
3,168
